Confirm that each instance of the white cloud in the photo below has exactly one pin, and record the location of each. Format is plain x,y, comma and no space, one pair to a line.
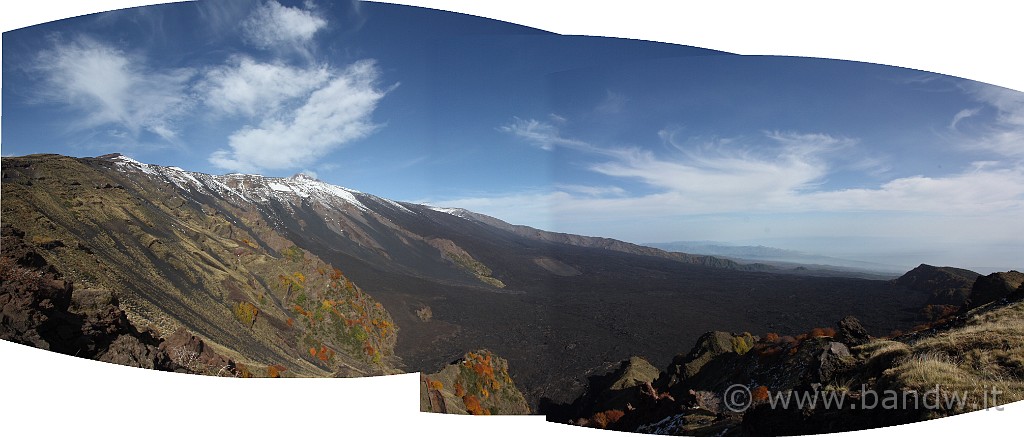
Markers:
780,177
247,87
332,116
112,88
272,25
725,172
1005,134
984,188
964,113
590,190
613,103
541,134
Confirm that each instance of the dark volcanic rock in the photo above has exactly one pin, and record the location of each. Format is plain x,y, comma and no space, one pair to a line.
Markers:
39,309
130,350
620,389
834,360
718,359
851,332
995,287
192,353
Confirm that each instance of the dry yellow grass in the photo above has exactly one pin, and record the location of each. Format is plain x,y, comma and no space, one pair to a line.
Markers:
986,353
880,354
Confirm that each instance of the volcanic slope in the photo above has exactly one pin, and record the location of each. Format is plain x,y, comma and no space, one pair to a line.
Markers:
558,307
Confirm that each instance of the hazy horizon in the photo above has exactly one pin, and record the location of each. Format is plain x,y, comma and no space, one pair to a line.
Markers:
641,142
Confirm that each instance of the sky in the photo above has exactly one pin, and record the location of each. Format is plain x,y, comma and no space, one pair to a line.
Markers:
640,141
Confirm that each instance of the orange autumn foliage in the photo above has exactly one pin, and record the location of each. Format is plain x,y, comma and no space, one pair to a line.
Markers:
822,332
605,418
760,394
771,337
473,406
325,353
275,370
312,351
460,391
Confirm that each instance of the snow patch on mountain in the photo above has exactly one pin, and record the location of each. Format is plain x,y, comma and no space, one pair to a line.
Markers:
249,187
458,212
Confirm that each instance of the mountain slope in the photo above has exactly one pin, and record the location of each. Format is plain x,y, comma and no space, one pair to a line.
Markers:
176,257
605,243
266,269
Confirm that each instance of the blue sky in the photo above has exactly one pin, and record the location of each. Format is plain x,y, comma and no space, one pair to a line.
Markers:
633,140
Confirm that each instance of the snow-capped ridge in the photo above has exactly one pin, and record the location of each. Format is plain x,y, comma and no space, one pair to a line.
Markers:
249,187
457,212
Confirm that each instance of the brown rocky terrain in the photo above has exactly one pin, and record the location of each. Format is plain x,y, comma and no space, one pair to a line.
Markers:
965,362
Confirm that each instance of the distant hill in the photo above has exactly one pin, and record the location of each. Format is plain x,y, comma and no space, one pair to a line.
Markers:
947,285
788,258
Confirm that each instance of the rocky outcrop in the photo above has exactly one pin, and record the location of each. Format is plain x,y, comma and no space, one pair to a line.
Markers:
196,356
851,332
40,309
996,286
624,388
477,384
712,347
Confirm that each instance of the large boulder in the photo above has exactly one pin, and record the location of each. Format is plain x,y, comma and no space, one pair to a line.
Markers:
620,389
834,359
709,346
851,332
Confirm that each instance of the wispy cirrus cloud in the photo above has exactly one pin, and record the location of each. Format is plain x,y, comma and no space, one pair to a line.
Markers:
332,116
592,190
781,177
110,88
613,103
985,187
963,114
273,26
1004,133
780,165
541,134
